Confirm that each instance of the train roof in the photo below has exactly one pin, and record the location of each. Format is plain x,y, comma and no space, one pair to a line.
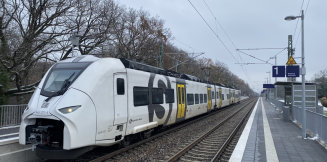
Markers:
152,69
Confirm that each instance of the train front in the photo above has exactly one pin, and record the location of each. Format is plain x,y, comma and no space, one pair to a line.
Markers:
60,119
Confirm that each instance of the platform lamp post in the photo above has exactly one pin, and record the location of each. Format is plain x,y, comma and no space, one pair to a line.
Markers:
304,124
269,77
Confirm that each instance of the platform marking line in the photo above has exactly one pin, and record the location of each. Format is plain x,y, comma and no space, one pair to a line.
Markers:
11,134
21,150
241,144
10,127
9,140
271,153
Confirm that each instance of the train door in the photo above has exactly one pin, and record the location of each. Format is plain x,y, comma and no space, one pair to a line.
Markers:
229,96
220,98
120,98
215,97
180,101
209,99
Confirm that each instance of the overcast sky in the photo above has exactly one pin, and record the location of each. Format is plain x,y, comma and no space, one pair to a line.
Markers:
247,24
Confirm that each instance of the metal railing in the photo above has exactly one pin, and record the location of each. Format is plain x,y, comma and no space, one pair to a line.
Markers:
316,123
10,115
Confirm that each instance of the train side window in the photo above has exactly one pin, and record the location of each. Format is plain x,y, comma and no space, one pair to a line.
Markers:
190,99
141,96
120,86
217,95
169,93
223,96
196,98
212,95
205,98
201,98
157,95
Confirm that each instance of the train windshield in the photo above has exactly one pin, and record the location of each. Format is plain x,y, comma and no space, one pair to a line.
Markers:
61,76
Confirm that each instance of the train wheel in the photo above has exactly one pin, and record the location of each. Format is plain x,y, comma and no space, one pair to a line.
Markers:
126,141
147,134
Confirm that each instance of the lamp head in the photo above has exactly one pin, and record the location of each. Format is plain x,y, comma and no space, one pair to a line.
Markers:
289,18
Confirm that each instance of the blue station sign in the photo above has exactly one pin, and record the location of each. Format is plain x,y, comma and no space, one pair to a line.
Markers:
278,71
292,71
268,86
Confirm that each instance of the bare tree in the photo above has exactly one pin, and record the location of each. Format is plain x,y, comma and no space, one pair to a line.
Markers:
138,36
93,21
31,28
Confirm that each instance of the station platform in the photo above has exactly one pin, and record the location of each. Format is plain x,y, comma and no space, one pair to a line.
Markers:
268,137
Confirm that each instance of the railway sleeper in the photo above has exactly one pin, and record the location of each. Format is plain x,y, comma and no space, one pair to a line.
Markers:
187,160
203,154
197,157
196,151
210,143
206,147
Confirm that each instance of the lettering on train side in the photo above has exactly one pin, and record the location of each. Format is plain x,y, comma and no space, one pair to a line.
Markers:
157,108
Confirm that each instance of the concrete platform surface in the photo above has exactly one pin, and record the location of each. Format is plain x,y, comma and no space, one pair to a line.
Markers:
268,137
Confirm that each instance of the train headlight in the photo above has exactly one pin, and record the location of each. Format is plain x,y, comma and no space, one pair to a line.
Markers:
69,109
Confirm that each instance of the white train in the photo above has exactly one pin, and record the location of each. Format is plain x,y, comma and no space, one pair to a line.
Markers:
88,101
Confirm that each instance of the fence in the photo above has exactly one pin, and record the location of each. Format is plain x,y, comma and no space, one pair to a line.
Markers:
10,115
316,123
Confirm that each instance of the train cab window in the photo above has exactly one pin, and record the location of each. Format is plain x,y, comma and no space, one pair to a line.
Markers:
190,99
157,95
205,98
120,86
141,96
196,97
201,98
169,93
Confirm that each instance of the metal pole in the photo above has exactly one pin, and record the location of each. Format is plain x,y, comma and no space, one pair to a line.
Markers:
275,95
72,50
176,65
161,55
303,71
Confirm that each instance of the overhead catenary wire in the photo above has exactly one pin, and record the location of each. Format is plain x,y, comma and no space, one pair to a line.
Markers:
221,27
297,21
254,57
305,13
259,49
278,53
227,35
215,34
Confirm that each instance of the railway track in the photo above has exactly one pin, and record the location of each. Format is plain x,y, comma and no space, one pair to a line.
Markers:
211,145
137,151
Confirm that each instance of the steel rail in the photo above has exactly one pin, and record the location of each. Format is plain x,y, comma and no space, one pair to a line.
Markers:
117,152
231,136
190,146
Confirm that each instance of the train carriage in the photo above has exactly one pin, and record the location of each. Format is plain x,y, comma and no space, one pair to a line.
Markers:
87,101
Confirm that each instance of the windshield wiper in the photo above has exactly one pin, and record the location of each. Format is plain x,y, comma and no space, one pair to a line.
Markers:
66,84
63,88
